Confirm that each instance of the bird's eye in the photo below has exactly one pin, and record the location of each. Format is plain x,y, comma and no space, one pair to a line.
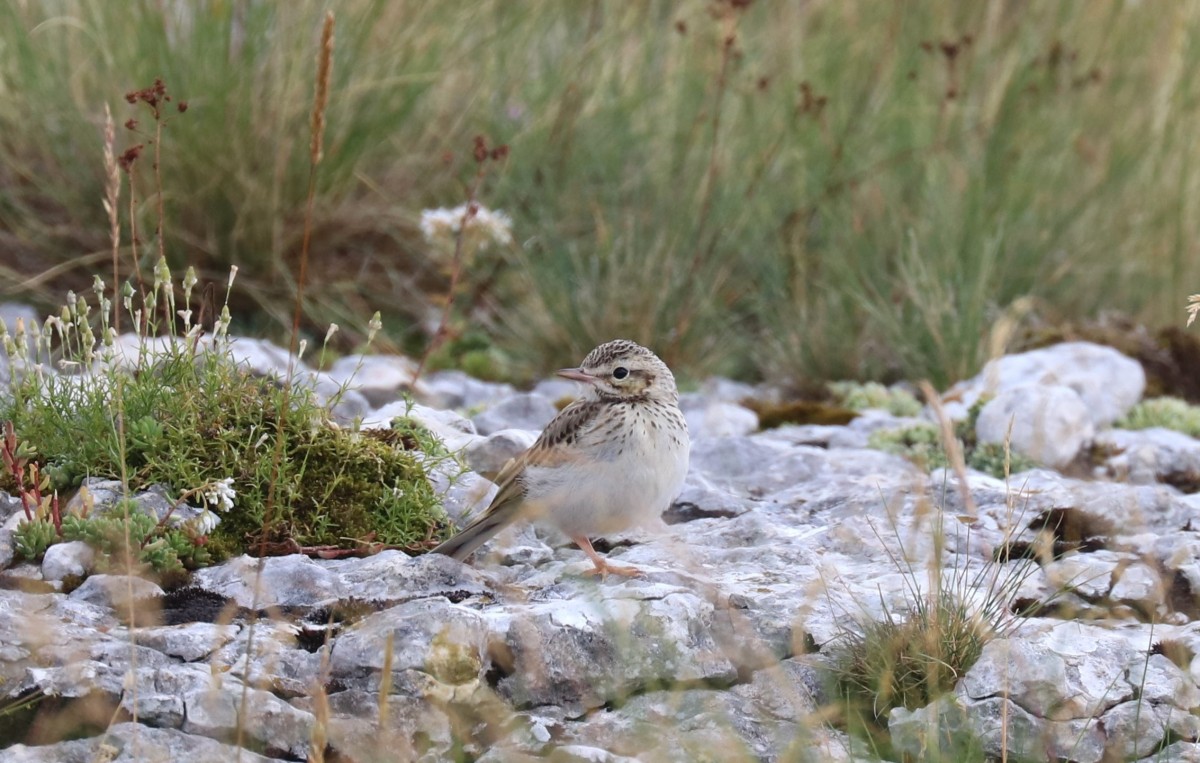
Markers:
620,372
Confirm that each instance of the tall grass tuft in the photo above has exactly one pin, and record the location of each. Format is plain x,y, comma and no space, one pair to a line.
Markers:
829,189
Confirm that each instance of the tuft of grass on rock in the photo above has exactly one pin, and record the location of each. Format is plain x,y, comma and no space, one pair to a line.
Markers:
260,455
911,661
915,653
1166,412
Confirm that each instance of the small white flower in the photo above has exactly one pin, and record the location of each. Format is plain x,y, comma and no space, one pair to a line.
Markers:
206,522
484,226
220,494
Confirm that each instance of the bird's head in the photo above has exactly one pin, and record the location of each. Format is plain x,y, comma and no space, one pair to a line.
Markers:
624,370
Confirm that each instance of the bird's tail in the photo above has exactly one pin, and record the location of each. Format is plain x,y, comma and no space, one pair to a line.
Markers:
475,534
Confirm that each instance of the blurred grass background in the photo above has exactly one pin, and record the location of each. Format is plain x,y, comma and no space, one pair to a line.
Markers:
798,190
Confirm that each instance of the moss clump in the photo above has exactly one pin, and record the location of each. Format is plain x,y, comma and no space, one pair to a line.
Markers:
920,443
1167,412
862,396
261,452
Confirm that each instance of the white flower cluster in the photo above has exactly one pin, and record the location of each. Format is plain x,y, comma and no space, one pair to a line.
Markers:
484,227
220,495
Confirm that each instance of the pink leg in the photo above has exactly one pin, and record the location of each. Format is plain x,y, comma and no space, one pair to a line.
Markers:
603,567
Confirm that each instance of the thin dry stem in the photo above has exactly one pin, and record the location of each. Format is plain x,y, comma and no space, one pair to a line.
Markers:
953,448
385,680
320,100
455,272
158,186
112,192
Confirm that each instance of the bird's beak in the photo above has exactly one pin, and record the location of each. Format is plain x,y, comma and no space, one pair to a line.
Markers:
576,374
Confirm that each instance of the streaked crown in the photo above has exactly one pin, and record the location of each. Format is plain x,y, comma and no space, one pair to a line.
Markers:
625,369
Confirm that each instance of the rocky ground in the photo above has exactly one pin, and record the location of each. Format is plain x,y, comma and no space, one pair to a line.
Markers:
781,543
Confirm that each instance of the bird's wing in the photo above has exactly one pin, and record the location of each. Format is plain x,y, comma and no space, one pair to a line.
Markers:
557,444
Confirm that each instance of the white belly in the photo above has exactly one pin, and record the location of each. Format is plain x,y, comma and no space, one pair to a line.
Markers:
622,487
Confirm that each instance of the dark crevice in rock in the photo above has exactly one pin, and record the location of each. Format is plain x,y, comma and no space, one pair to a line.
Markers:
1019,549
311,638
1070,530
192,604
1176,651
604,545
649,687
679,513
1182,598
502,662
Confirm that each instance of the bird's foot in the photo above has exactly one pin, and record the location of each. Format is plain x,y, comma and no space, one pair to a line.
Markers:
603,566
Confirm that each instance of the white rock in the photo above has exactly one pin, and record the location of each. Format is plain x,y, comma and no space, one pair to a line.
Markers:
1147,456
529,411
380,378
452,429
489,455
70,558
454,389
115,591
189,641
714,418
264,358
1107,382
293,580
1049,423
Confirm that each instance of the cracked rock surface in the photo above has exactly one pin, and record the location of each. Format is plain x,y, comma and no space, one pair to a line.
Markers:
781,542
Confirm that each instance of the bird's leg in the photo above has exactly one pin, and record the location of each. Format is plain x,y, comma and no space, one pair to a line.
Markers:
603,567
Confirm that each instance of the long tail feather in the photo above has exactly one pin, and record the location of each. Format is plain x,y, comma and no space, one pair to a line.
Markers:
475,534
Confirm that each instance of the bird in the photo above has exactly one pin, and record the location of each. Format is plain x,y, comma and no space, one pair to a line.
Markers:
613,459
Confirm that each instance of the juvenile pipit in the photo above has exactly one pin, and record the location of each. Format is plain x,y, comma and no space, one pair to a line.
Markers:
611,460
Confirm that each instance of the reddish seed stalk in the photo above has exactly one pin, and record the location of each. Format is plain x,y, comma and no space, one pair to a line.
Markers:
456,268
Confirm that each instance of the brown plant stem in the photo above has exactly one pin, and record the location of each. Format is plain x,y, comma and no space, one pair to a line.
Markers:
456,267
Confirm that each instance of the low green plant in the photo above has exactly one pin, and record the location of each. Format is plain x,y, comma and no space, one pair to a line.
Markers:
31,539
179,412
911,656
997,460
1167,412
920,443
861,396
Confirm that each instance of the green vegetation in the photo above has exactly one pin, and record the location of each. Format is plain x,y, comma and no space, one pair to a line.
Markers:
911,658
862,190
1167,412
860,397
922,444
180,413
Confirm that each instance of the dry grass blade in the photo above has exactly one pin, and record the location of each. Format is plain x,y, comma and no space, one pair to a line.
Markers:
953,449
